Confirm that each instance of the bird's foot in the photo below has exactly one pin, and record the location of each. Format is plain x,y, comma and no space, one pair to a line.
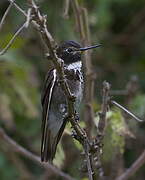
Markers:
77,117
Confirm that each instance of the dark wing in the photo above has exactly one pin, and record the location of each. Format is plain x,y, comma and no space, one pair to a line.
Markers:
46,102
52,122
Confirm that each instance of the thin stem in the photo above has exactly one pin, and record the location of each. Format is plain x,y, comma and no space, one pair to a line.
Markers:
66,9
134,167
102,114
127,111
28,17
12,40
78,19
81,19
5,14
18,8
102,126
89,162
19,149
89,77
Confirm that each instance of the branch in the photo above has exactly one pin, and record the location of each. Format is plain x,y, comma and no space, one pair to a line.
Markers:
81,19
132,170
89,161
12,40
28,17
127,111
101,128
18,8
102,114
19,30
19,149
82,24
78,20
5,14
89,77
66,9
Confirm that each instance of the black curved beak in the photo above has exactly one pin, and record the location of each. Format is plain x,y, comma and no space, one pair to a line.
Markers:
89,47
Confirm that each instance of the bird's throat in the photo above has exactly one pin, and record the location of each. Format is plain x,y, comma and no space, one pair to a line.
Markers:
75,66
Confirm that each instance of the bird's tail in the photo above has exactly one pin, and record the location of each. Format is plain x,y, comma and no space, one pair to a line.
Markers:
49,144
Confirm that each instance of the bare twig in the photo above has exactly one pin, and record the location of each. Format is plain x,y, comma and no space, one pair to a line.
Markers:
134,167
25,25
5,14
101,127
81,19
28,17
19,149
18,8
12,40
102,114
78,20
126,110
89,161
66,9
89,76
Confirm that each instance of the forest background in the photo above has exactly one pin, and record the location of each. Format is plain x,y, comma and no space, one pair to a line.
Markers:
119,25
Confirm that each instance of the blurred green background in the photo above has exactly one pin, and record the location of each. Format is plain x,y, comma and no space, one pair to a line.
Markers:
119,25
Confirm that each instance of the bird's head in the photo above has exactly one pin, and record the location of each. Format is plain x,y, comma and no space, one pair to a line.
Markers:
70,51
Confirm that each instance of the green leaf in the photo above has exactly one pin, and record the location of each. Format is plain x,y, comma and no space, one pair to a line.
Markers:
114,135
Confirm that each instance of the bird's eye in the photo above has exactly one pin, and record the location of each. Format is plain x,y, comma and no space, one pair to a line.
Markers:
69,50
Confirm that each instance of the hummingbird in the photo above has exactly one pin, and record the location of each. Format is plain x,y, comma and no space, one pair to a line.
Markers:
53,99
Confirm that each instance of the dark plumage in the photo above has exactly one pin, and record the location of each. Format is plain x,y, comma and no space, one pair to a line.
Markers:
53,99
67,52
